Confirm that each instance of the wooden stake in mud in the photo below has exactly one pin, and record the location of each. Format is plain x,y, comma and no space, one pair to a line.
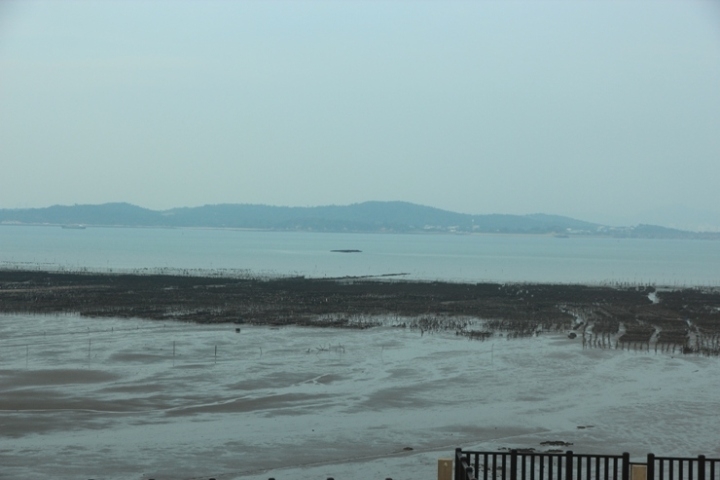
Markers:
89,348
27,355
216,354
173,353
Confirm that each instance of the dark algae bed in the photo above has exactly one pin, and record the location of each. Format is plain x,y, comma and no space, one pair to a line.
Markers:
644,317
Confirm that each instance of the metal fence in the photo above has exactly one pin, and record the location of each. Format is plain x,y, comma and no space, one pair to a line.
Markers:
523,465
679,468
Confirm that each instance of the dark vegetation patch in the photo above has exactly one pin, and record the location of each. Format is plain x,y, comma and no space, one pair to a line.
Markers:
684,319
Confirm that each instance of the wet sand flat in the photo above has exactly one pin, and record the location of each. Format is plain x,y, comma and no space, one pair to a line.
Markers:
108,398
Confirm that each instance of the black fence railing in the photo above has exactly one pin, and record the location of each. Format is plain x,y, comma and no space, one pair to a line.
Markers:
521,465
682,468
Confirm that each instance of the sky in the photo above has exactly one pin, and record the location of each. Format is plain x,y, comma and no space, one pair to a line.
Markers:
605,111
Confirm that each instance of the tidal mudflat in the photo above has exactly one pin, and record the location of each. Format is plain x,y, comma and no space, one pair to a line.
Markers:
177,377
611,316
120,398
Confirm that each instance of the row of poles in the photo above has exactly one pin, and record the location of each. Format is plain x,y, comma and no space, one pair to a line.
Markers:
89,354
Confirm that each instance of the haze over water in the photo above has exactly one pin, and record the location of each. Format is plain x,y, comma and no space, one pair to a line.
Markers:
472,258
603,111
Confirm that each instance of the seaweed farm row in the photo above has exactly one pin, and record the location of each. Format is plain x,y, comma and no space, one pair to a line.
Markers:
641,317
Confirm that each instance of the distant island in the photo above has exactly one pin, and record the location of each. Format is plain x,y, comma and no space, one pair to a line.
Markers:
367,217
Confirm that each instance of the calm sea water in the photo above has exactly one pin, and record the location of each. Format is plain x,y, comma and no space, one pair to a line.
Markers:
504,258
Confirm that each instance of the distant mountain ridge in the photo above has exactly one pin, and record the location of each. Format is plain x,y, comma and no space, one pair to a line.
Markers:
373,216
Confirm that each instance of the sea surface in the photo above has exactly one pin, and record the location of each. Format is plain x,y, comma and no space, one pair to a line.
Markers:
471,258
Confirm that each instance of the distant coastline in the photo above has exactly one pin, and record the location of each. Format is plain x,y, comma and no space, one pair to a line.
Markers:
367,217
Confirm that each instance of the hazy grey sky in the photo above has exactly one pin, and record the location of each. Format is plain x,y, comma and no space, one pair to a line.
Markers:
600,110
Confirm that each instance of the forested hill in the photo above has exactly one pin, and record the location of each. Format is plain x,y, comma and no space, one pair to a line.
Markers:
400,217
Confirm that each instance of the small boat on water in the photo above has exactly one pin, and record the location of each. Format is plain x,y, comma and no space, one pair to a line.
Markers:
74,226
346,251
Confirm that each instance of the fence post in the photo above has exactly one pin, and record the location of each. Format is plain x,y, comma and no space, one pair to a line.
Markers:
445,471
650,467
513,464
458,465
701,467
626,466
568,465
